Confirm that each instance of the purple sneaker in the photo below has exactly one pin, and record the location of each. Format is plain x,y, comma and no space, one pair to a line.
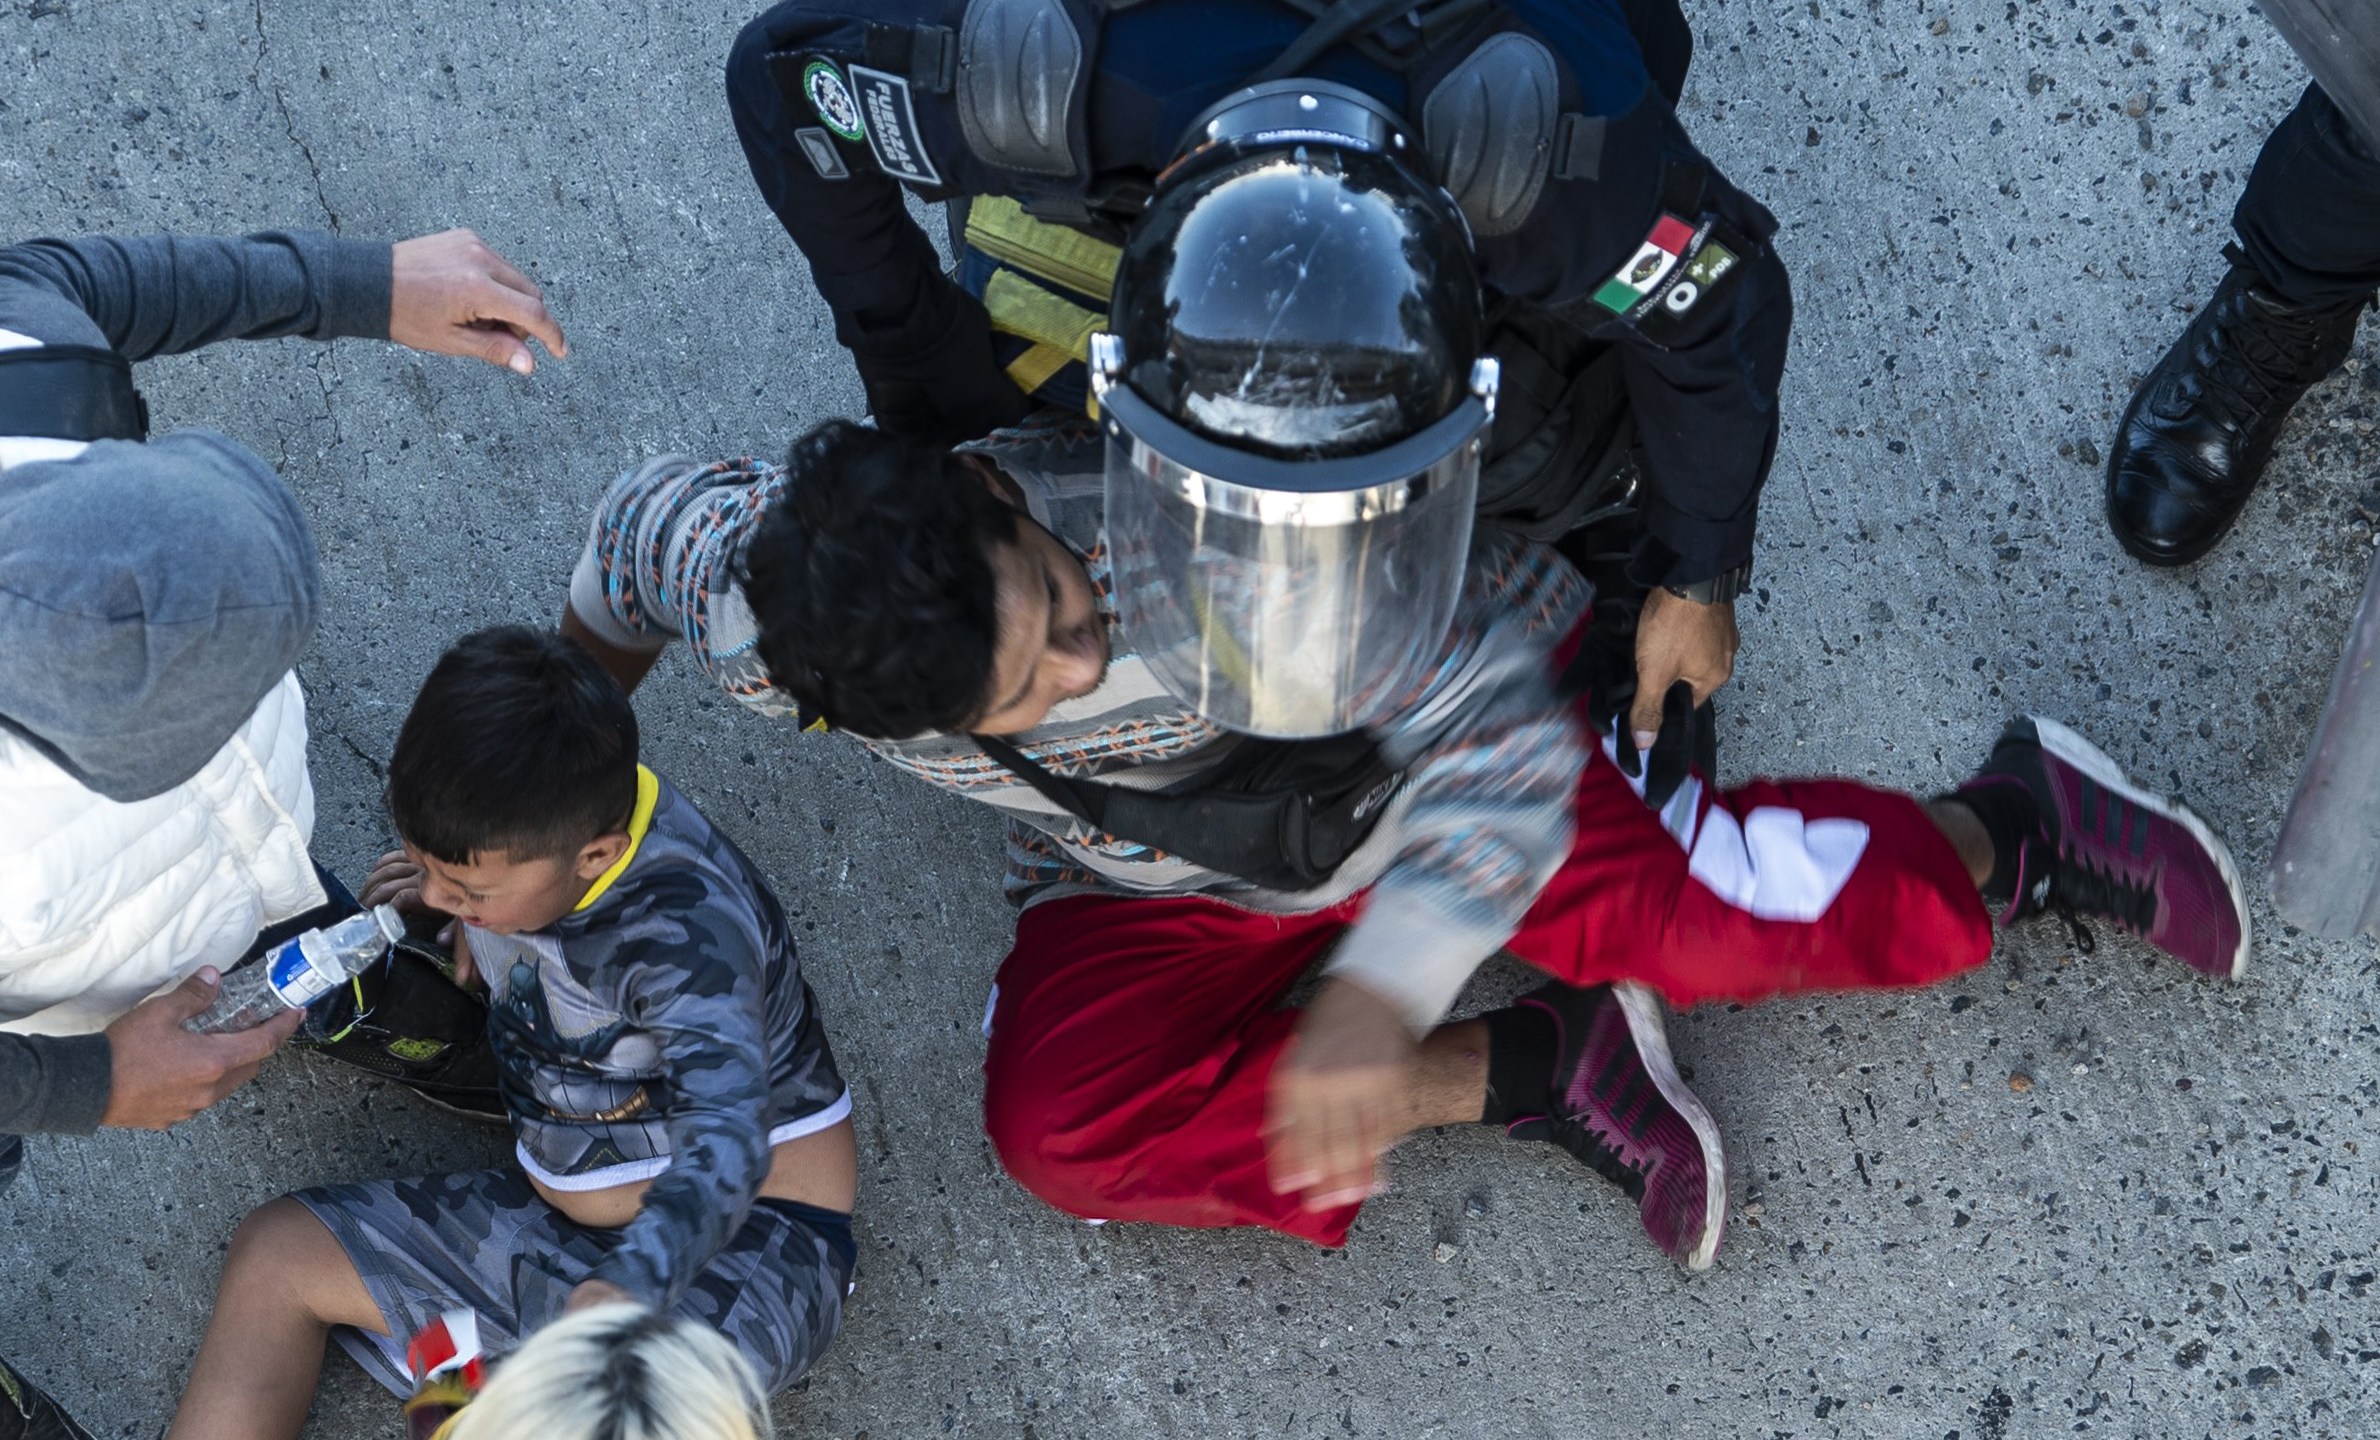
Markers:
2108,849
1620,1107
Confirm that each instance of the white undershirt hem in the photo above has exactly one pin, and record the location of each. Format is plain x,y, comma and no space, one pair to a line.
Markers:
633,1171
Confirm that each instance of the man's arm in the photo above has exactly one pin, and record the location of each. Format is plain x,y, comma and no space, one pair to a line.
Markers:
1704,393
1706,414
923,345
1494,771
162,295
628,664
1488,810
145,1073
660,564
52,1084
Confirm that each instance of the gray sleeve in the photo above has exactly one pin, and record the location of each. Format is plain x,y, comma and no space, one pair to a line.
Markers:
163,294
51,1084
692,979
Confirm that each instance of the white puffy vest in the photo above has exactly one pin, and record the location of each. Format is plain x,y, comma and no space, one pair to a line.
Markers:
103,904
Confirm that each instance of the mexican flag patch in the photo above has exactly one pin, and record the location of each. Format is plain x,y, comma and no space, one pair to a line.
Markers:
1645,270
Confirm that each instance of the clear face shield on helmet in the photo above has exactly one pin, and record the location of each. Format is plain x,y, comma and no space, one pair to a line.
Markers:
1287,597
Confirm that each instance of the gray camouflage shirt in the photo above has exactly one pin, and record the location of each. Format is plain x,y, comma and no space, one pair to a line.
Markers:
661,1031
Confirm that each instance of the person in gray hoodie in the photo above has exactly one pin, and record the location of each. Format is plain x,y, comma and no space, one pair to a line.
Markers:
154,597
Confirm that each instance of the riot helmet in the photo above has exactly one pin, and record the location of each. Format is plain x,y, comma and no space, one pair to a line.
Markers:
1296,399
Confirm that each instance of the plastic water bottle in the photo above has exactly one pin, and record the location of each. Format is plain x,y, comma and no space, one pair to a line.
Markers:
300,972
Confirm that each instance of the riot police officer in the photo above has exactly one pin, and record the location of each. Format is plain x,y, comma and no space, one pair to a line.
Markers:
1625,274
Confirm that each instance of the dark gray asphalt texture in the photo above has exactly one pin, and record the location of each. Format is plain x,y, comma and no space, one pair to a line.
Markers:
1997,215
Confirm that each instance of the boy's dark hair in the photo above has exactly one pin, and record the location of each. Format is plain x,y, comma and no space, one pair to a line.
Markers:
871,582
519,744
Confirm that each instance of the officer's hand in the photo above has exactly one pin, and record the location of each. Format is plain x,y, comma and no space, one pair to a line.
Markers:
1339,1097
455,296
1678,640
162,1074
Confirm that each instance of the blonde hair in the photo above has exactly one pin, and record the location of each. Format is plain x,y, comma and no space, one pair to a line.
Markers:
619,1372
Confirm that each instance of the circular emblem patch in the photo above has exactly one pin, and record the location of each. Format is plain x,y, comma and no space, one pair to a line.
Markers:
831,98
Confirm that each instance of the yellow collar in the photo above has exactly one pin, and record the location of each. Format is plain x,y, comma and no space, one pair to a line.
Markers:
648,794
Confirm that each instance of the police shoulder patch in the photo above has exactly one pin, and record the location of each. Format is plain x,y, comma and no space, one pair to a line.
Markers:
892,126
1676,268
831,97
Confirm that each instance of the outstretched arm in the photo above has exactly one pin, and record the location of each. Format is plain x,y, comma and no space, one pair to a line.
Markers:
145,1073
165,294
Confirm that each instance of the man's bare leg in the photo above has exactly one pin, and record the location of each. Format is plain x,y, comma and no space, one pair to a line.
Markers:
1450,1077
1966,835
285,1284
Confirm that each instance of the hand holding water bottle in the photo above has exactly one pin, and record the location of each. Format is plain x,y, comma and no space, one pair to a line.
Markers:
301,971
160,1074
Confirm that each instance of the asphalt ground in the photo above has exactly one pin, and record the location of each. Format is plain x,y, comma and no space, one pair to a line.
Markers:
2066,1194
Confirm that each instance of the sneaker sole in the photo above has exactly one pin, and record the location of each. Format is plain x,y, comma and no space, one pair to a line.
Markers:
1648,1027
2096,763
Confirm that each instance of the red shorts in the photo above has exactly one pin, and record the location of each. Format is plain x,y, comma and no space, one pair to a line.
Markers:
1133,1036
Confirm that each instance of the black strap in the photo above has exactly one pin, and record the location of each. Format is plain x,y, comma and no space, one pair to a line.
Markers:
1282,814
1578,148
1397,37
70,392
1343,18
1087,803
927,56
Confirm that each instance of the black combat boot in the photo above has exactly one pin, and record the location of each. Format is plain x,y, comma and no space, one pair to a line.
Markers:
2200,428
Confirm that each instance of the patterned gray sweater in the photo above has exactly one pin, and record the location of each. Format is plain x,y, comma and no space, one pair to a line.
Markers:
1457,858
661,1031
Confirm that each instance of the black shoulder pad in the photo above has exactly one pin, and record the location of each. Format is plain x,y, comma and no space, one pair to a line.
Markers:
1489,129
1020,64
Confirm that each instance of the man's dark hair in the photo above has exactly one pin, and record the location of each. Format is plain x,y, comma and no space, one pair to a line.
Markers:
871,582
519,744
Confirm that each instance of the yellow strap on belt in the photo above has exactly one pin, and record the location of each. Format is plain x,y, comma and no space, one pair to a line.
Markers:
1033,369
1000,228
1020,307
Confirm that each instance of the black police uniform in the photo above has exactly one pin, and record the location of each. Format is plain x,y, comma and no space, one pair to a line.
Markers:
1063,110
2310,217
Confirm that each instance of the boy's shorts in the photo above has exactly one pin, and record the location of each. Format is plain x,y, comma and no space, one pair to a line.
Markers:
486,1241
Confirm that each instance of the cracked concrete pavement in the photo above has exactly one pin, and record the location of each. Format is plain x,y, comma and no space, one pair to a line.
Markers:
2068,1194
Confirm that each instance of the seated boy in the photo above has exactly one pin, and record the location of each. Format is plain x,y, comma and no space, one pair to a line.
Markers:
1141,1065
683,1133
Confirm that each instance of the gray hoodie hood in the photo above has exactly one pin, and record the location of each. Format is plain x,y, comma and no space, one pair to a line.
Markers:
150,596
